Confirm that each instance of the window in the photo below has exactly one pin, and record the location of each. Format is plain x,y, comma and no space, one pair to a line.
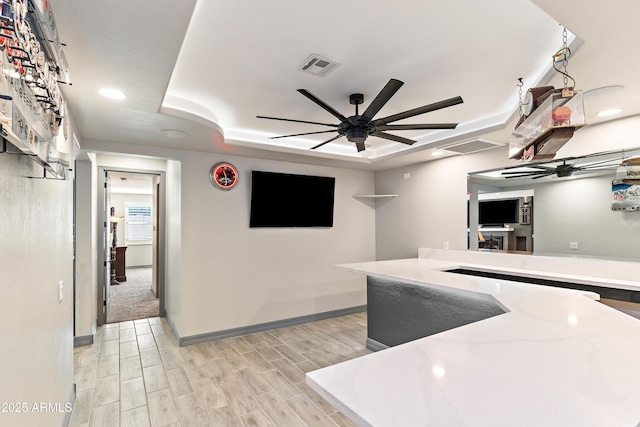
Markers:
138,226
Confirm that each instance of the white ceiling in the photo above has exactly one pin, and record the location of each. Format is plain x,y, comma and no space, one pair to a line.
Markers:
209,68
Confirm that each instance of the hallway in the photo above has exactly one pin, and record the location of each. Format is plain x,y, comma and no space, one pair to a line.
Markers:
136,375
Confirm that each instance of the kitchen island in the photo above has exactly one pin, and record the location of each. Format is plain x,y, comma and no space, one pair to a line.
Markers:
555,357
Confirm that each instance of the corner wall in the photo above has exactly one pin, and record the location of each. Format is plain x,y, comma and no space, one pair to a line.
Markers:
173,244
220,274
431,207
86,284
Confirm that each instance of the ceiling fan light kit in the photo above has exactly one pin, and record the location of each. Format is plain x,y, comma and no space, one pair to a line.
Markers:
359,127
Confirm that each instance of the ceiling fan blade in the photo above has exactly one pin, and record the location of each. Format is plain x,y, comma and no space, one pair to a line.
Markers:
542,176
543,169
417,111
382,98
360,146
300,134
393,137
326,142
517,175
297,121
529,175
418,126
613,163
546,170
324,105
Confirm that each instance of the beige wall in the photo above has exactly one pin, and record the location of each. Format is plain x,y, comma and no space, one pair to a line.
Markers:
36,253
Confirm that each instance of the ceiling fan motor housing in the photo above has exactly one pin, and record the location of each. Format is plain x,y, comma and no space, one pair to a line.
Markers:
355,130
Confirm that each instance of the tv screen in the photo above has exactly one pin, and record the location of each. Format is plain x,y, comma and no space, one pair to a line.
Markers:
498,212
287,200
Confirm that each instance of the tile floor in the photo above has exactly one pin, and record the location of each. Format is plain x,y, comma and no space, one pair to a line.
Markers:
136,375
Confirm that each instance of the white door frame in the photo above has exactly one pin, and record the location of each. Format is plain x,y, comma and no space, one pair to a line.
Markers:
103,221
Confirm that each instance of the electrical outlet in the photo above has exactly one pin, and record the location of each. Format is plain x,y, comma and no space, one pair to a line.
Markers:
573,245
446,246
60,291
407,175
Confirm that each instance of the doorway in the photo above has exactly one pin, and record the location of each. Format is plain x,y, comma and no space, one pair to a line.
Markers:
132,255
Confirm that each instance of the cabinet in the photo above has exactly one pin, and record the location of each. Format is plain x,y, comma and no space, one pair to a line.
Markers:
121,263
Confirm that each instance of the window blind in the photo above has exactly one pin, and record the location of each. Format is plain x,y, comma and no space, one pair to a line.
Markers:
138,223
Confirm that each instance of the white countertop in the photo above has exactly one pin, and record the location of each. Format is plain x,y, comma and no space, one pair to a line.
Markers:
557,358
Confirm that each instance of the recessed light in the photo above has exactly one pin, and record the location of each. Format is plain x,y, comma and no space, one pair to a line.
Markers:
437,153
112,93
611,112
174,134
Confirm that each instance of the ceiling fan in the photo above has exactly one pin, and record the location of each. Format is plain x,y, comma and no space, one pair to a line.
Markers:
360,126
562,170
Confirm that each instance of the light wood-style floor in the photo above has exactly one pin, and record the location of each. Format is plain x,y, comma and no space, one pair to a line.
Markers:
136,375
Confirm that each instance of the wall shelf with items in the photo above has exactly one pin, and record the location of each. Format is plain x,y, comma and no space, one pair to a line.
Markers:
33,116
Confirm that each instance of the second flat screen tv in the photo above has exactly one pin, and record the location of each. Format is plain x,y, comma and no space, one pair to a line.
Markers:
288,200
498,212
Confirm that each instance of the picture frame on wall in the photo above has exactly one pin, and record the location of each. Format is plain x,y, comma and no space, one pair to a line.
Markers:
625,195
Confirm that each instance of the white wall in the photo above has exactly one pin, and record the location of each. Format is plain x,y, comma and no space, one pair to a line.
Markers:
36,252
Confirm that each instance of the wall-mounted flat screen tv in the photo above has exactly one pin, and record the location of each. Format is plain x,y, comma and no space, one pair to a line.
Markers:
498,212
288,200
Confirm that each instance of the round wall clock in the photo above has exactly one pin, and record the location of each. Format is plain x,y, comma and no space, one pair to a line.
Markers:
223,175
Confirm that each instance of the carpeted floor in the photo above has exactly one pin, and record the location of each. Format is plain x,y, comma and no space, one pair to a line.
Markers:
133,299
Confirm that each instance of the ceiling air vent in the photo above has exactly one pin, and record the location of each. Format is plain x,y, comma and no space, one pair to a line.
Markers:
471,146
317,65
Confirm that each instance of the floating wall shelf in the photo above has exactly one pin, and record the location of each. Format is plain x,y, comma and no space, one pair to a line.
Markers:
374,196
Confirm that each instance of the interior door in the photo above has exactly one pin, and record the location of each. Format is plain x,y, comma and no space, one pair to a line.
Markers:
106,279
155,221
